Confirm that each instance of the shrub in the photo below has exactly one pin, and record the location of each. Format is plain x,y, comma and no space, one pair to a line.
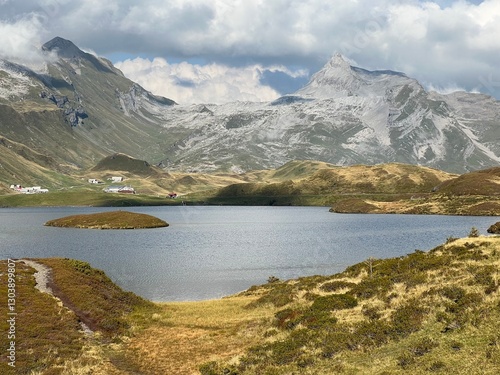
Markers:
415,279
371,287
310,296
483,275
372,333
273,279
437,366
287,318
405,360
333,286
335,342
214,368
408,318
289,350
279,295
474,232
371,312
423,346
453,293
334,302
318,319
311,318
355,270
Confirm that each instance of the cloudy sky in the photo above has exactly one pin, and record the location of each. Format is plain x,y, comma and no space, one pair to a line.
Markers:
216,51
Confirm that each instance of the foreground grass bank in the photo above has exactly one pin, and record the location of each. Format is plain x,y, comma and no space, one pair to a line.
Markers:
427,312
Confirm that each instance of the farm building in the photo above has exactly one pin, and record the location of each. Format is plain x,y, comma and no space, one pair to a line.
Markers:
29,190
120,189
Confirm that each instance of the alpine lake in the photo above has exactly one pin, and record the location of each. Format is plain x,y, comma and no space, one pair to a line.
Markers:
212,251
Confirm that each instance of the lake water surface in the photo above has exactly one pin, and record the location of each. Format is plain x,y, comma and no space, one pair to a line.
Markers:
208,252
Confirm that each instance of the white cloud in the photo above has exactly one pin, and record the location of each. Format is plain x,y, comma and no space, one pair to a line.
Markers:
20,41
445,42
212,83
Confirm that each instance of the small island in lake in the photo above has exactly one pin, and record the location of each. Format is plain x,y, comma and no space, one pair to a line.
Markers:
109,220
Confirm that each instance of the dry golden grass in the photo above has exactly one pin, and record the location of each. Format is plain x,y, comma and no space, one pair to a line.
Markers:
185,335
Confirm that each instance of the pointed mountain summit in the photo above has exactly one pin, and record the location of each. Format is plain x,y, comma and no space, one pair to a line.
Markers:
338,62
335,79
63,47
66,49
338,78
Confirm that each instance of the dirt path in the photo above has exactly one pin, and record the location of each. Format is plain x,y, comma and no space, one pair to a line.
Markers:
42,278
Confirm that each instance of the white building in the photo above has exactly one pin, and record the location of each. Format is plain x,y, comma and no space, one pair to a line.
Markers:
120,189
29,190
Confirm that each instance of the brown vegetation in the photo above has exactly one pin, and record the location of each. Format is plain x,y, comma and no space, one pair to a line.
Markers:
109,220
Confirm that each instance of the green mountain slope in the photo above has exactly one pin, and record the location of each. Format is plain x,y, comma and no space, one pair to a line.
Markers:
80,109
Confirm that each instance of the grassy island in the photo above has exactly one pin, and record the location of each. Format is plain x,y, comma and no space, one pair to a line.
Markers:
109,220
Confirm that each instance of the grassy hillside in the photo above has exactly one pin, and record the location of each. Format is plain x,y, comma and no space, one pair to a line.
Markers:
384,188
315,183
427,312
82,198
474,193
22,165
125,163
483,182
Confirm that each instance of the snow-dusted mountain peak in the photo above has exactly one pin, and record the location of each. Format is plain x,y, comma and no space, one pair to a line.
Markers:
335,79
338,62
344,115
63,47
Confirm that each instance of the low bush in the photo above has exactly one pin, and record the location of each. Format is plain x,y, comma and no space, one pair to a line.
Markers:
371,312
280,294
453,293
334,302
370,287
372,333
408,318
287,318
215,368
335,285
423,346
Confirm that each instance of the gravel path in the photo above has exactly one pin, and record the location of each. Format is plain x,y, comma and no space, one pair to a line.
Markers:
42,277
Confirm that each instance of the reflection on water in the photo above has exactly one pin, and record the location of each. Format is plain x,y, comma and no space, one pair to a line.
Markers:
209,252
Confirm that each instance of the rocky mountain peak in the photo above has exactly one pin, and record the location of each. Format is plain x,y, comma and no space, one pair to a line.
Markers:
336,79
63,47
338,62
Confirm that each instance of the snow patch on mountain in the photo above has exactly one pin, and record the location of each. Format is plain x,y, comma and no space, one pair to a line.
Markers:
13,83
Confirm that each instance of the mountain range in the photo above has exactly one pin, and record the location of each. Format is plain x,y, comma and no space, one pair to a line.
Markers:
78,108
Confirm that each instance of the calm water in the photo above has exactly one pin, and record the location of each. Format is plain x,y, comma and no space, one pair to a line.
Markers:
209,252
